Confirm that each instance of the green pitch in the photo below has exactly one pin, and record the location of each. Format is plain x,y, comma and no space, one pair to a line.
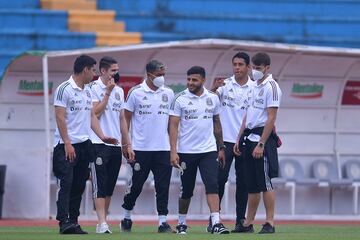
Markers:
288,232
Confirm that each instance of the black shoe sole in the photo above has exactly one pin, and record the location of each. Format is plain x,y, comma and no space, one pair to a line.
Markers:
68,230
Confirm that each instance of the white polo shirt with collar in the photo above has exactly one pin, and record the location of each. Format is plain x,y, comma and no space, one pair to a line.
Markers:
110,118
196,128
150,118
234,100
264,95
78,106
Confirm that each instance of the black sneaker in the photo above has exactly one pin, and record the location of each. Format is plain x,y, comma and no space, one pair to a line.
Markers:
67,227
209,227
126,225
219,228
240,228
181,229
78,230
267,228
165,228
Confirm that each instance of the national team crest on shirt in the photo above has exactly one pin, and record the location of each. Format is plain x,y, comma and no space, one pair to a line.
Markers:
88,94
99,161
261,92
209,102
165,98
117,96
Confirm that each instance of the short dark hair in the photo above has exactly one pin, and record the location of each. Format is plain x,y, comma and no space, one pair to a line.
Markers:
196,70
83,61
154,65
106,62
261,58
242,55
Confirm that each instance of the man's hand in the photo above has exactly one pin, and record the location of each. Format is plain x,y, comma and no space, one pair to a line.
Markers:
174,160
221,158
258,152
69,152
236,149
110,85
129,154
110,140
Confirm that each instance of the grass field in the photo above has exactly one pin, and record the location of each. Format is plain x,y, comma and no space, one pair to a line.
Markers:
290,232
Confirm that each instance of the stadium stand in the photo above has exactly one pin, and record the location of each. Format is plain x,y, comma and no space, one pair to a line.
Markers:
327,23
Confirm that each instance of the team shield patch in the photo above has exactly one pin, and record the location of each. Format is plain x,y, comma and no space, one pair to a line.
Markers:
209,102
99,161
117,96
165,98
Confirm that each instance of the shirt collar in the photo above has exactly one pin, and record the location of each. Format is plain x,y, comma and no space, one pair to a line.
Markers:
101,84
205,93
148,89
73,84
265,81
247,84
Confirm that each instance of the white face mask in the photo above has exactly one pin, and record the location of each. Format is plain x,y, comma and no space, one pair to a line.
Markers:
257,75
158,81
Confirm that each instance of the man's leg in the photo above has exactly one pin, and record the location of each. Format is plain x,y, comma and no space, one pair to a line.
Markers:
269,203
241,190
253,203
63,170
223,174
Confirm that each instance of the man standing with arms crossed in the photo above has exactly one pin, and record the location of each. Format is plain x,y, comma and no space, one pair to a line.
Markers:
234,97
258,143
108,103
147,108
195,145
73,150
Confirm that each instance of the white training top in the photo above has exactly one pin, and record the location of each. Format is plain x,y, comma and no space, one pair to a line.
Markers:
110,118
150,118
267,94
234,100
196,130
78,106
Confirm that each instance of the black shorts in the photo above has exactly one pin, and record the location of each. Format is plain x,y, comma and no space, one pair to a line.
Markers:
105,170
209,168
256,170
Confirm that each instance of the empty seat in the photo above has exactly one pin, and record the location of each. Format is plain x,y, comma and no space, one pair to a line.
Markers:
352,172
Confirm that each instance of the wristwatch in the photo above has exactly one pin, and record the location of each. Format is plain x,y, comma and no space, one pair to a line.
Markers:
221,147
261,144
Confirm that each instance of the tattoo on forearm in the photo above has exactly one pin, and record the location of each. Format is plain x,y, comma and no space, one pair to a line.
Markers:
217,130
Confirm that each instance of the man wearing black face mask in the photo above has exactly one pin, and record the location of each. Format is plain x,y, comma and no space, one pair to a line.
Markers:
108,101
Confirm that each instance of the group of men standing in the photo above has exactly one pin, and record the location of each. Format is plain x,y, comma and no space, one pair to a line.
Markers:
155,131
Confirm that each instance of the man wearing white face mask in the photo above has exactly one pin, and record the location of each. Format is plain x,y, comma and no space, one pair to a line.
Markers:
147,109
258,143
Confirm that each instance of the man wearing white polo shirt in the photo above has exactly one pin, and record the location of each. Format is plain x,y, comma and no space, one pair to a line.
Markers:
108,101
258,143
147,108
234,97
195,145
72,148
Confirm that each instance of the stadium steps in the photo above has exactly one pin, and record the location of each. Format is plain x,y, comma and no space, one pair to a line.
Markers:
108,31
68,4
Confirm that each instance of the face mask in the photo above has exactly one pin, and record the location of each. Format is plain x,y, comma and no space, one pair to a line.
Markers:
116,77
257,75
158,81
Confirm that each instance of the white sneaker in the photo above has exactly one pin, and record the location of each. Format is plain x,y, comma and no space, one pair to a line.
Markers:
103,228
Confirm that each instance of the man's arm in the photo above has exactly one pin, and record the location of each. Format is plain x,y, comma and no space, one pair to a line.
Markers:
125,141
60,114
236,148
173,136
95,126
219,140
99,107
